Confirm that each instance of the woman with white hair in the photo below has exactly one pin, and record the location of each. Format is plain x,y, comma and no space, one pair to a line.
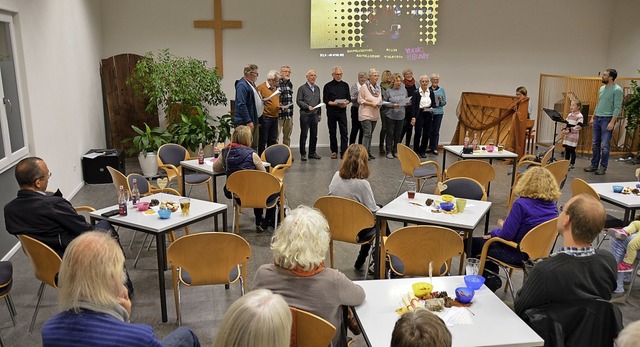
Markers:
94,301
298,272
259,318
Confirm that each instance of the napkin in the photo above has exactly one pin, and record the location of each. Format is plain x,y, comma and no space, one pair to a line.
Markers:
457,316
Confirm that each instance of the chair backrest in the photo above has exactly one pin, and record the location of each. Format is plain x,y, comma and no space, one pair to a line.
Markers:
44,260
416,246
309,330
279,156
409,160
580,186
572,323
143,185
253,187
559,170
346,217
171,153
464,187
537,243
479,170
209,257
119,179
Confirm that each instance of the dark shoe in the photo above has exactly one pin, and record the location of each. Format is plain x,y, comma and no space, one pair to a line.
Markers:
314,156
435,151
359,264
601,171
493,282
259,228
303,158
395,154
371,157
590,169
423,155
382,151
334,155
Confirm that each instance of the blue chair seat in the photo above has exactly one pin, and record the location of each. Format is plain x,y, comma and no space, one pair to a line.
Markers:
233,275
196,178
6,277
424,171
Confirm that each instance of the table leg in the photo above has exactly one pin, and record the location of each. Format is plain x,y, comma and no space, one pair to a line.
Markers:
224,221
486,222
161,248
215,188
444,161
513,172
381,268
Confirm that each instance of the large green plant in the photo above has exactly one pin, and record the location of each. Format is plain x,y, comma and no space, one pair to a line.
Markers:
169,81
193,129
147,140
224,126
632,106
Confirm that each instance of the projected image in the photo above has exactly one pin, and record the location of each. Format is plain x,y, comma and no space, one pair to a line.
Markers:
375,24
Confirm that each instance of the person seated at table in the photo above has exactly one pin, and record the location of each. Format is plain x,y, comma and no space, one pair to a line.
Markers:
577,271
239,155
420,328
538,194
298,271
45,216
95,306
351,182
259,318
626,264
618,247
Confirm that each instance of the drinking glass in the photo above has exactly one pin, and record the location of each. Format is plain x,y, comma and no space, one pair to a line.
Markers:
471,266
185,205
411,190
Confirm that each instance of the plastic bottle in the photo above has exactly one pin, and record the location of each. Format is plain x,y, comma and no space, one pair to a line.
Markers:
466,139
135,193
200,154
122,202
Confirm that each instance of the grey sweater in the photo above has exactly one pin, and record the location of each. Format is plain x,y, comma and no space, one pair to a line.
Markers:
355,189
396,96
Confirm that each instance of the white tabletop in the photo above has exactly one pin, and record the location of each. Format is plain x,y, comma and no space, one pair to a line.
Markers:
152,222
402,210
605,190
493,323
457,150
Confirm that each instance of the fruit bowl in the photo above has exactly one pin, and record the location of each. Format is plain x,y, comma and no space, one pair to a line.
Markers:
447,206
617,189
474,282
464,295
421,289
164,214
143,206
447,197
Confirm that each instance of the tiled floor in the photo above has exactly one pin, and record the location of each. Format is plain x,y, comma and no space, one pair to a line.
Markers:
203,307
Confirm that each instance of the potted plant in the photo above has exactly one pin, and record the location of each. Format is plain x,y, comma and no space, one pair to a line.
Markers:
193,129
146,144
176,84
223,127
632,108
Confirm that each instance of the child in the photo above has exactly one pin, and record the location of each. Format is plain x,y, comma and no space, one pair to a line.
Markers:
626,265
571,134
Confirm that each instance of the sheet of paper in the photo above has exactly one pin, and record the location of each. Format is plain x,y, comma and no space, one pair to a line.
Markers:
286,106
407,101
456,316
272,95
386,103
340,101
322,104
93,155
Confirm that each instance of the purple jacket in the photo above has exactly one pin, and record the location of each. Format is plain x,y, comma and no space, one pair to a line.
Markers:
526,213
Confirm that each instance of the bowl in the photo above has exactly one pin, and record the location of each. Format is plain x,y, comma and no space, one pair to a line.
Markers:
474,282
447,206
421,289
164,214
447,197
143,206
464,295
618,189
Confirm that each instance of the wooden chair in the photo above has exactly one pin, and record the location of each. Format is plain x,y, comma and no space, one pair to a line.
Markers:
537,243
559,169
119,179
412,167
580,186
169,157
309,330
255,189
463,187
279,156
147,188
411,249
46,265
205,259
479,170
347,218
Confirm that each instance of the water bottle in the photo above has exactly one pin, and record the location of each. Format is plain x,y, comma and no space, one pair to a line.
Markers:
200,154
135,193
122,202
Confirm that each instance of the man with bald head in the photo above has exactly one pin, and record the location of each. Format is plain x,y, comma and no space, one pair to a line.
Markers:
307,98
577,271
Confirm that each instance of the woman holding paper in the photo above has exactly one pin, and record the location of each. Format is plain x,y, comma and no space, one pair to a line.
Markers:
397,95
370,100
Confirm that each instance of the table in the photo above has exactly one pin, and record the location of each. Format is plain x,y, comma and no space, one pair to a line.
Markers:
152,224
401,210
629,202
457,151
494,324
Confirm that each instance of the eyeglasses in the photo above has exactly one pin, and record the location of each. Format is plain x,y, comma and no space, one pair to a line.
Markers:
45,176
255,73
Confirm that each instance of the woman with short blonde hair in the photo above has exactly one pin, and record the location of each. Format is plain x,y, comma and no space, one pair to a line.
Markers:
299,274
259,318
538,194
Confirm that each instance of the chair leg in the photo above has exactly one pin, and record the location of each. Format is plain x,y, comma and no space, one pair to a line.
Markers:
633,279
178,311
509,283
2,344
241,286
133,238
604,237
369,257
331,253
401,184
135,263
12,309
210,188
35,313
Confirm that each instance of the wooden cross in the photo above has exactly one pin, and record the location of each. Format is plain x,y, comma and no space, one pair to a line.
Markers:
217,24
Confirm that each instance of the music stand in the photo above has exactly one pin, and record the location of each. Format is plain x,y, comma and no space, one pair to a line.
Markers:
557,118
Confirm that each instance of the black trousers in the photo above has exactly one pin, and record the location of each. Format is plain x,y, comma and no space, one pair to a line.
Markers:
339,121
308,127
356,128
268,132
423,126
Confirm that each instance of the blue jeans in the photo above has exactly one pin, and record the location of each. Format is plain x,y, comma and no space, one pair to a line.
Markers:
601,142
181,337
499,251
619,248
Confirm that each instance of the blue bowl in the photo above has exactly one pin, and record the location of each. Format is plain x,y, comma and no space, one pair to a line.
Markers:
164,214
464,295
618,189
447,206
474,282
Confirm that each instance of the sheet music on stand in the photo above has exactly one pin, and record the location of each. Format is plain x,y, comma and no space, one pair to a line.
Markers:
557,118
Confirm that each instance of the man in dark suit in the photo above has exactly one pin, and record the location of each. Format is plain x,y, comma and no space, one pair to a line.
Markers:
47,217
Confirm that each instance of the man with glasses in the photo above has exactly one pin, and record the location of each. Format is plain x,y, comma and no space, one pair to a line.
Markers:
45,216
285,122
248,104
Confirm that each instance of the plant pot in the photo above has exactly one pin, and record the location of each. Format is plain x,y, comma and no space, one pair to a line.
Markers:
148,164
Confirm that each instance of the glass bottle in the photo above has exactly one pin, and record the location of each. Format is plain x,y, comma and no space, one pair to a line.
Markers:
135,193
475,142
200,154
466,139
122,202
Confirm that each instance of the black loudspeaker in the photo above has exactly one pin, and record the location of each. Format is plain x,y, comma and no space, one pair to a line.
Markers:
95,162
